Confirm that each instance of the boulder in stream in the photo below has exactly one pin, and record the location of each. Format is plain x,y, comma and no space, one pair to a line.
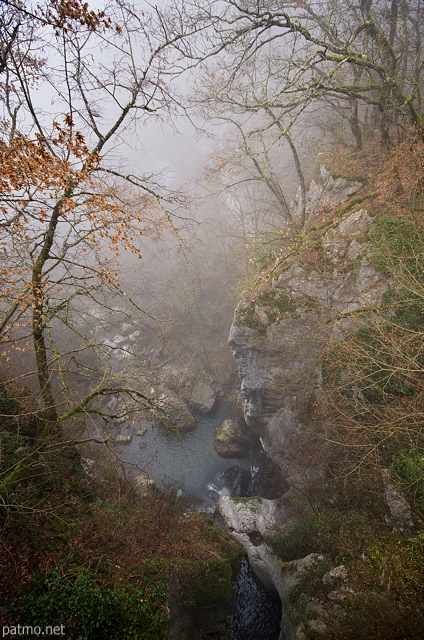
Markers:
231,440
203,397
174,415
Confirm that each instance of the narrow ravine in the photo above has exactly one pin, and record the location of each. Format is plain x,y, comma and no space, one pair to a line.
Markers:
257,610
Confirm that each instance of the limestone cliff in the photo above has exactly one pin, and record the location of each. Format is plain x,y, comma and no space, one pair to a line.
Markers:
280,331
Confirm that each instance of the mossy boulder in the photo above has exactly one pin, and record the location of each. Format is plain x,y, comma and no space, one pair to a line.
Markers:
174,415
231,440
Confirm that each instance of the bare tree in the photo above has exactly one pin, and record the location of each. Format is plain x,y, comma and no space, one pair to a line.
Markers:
68,204
301,52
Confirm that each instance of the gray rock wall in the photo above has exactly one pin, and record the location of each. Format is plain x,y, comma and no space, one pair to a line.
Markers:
277,338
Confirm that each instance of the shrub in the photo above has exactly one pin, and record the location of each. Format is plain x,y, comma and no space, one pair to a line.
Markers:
337,532
92,612
409,467
397,246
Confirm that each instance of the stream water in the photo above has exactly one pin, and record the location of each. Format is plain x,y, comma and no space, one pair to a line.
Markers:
188,463
257,610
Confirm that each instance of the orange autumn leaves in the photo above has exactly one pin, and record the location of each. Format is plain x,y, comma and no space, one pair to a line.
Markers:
28,164
39,177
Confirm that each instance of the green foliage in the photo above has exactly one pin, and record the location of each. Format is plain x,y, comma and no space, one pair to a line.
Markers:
310,585
214,584
386,603
372,362
11,450
398,246
301,540
272,304
398,252
340,533
92,612
408,466
67,467
381,367
384,597
278,303
248,317
14,416
9,407
378,368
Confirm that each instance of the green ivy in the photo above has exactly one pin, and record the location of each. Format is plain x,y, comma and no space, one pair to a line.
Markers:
92,612
409,467
398,246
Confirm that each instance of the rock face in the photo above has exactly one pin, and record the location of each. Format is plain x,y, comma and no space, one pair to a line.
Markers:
250,521
400,510
323,194
88,465
277,338
254,515
231,440
202,397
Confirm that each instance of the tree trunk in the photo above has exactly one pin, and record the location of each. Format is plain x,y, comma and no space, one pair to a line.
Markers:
356,127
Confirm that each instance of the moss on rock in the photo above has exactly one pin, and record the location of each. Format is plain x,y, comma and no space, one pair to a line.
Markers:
214,584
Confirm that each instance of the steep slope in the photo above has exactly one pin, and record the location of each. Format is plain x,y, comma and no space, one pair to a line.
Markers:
327,345
279,333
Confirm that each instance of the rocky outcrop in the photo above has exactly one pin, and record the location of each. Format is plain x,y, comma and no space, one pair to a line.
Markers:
202,397
322,195
87,465
251,521
306,612
254,515
399,507
277,337
232,441
143,484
